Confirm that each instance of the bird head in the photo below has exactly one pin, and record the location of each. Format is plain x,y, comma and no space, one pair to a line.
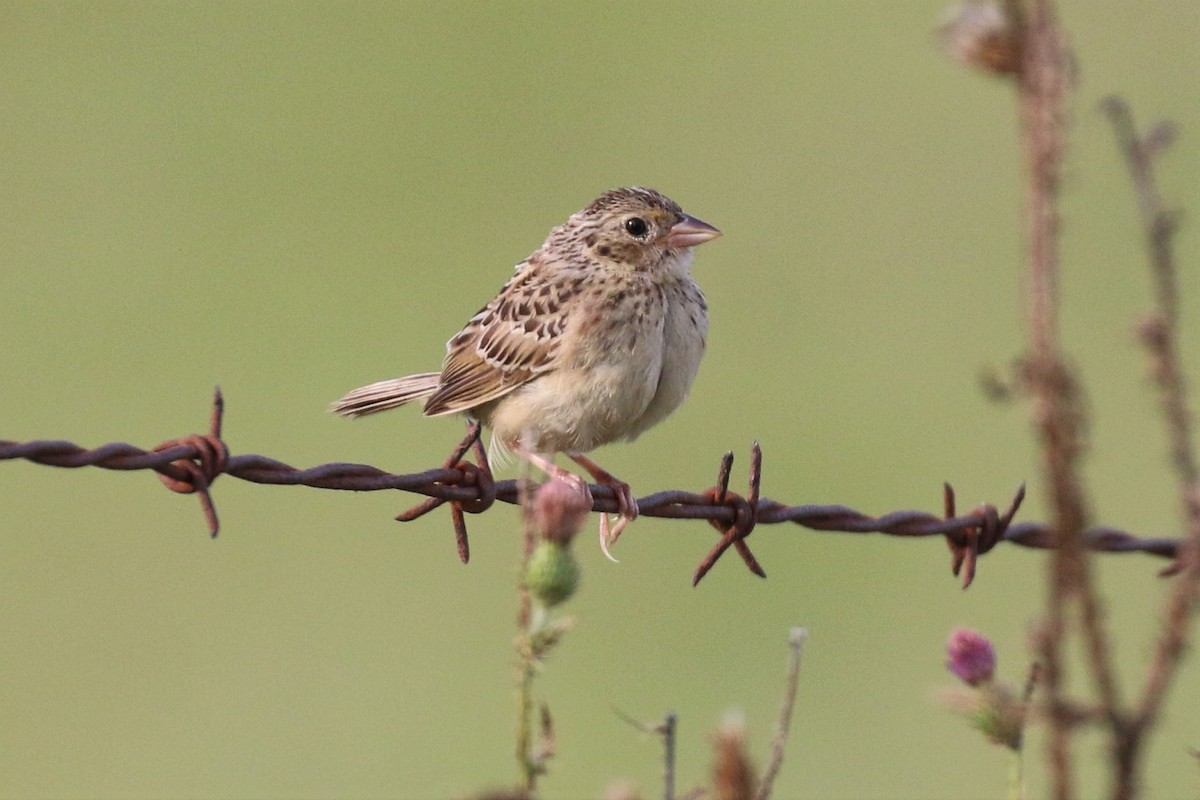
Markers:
638,229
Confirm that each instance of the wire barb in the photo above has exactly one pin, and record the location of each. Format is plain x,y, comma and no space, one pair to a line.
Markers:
190,464
744,516
194,474
479,475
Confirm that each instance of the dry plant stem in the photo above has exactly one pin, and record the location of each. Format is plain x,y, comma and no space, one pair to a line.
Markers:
1042,88
668,733
1160,335
796,640
666,729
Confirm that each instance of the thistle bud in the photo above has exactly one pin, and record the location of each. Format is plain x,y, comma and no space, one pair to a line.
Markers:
560,509
992,709
552,574
1000,716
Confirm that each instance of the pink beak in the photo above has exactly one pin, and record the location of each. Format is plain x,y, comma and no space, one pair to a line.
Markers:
689,232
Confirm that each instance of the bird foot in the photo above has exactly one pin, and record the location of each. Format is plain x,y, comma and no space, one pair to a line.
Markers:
627,508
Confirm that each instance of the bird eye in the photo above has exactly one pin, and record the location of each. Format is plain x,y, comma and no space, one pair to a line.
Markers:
636,227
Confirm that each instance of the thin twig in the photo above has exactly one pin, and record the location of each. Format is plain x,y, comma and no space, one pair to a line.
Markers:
666,729
668,734
1160,335
796,641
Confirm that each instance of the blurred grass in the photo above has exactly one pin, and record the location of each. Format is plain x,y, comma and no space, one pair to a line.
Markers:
293,199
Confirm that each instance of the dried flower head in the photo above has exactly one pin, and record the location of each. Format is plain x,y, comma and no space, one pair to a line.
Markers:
979,34
733,774
970,656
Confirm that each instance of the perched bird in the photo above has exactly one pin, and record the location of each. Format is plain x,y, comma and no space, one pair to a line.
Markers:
596,337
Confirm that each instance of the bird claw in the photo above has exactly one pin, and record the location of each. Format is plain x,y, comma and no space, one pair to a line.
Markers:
605,537
627,512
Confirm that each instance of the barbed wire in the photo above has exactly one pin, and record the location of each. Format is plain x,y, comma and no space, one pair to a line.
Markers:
190,464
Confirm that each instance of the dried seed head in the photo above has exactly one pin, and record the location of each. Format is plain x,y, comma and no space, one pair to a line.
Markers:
733,775
979,34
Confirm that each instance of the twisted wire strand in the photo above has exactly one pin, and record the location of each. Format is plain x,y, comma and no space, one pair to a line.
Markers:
191,464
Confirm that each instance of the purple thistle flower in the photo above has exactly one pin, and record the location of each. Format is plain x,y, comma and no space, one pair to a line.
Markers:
970,656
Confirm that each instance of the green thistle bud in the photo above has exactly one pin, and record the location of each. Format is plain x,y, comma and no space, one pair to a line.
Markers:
552,574
992,709
999,716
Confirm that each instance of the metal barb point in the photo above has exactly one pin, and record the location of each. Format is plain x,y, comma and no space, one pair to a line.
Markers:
186,476
745,513
461,474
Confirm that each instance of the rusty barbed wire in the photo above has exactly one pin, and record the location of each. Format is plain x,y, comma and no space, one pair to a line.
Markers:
191,464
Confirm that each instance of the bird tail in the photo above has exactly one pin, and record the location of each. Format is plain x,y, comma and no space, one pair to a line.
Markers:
386,394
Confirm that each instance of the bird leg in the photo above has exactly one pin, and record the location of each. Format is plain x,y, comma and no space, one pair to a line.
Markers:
555,472
627,508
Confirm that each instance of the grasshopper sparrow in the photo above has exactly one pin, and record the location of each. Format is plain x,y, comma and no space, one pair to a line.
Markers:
596,337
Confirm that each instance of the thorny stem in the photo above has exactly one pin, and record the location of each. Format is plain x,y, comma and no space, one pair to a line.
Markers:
528,770
1039,130
1161,332
526,658
1042,85
1160,336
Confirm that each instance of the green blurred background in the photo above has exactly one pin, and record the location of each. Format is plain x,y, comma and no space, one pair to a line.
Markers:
293,199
